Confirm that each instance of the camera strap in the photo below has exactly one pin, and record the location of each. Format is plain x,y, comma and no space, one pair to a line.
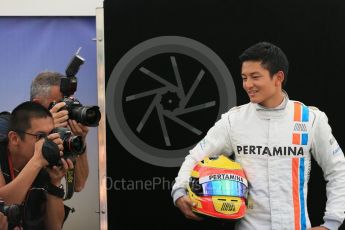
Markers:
70,181
10,165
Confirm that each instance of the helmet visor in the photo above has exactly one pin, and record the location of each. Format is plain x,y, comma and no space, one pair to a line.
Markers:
224,188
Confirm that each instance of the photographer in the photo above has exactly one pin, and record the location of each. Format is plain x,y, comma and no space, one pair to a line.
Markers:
25,178
45,89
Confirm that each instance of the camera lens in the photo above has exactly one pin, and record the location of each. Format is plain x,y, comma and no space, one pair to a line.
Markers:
87,115
74,144
12,212
92,115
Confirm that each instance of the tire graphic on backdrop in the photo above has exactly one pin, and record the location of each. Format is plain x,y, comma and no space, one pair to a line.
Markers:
164,94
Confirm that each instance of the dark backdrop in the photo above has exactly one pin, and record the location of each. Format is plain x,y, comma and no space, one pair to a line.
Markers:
311,33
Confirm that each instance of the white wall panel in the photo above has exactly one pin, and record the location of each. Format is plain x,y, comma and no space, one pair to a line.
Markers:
49,7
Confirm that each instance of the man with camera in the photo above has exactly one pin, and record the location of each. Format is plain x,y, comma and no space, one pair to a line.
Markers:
27,176
45,89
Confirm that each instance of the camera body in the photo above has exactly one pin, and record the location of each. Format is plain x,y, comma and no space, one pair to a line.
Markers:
86,115
73,146
13,212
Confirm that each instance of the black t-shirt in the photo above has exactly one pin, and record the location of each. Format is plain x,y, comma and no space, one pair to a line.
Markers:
33,208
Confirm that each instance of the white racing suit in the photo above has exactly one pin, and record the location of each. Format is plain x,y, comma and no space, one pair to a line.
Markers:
274,147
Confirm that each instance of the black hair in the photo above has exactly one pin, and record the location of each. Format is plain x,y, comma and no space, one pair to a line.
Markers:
271,56
23,114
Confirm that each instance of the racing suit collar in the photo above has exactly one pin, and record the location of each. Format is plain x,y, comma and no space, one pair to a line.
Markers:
267,113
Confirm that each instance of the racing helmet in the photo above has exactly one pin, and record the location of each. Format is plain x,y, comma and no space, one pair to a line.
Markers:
219,188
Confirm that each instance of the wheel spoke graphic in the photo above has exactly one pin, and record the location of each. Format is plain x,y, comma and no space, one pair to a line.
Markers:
159,94
164,128
177,75
145,94
192,89
164,94
184,124
157,78
147,113
194,108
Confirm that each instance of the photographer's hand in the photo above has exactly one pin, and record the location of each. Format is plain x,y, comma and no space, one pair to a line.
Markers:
38,155
60,117
78,129
82,165
54,206
55,137
57,173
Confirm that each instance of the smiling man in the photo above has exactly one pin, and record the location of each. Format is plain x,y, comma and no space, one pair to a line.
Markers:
273,138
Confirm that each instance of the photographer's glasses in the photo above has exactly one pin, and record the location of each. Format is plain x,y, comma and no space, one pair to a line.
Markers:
38,135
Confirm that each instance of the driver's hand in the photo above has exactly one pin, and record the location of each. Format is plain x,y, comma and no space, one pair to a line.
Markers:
185,204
